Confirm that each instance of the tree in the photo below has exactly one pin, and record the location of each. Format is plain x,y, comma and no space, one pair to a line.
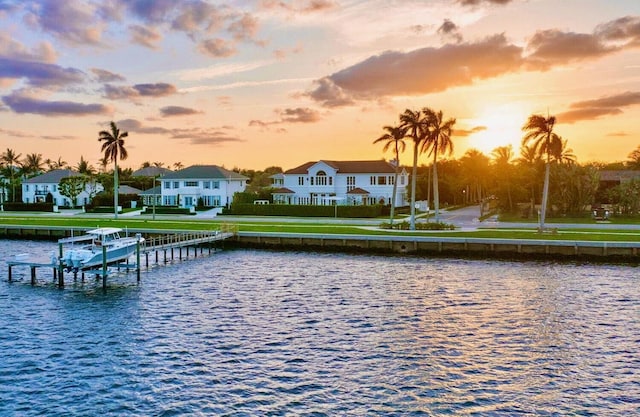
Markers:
11,161
178,166
546,144
113,148
32,164
414,125
438,142
59,164
502,157
71,187
394,137
634,159
84,167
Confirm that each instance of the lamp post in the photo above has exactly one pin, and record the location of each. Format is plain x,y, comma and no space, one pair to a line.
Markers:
155,197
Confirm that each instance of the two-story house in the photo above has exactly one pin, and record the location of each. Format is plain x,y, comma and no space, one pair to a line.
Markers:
340,182
36,189
215,186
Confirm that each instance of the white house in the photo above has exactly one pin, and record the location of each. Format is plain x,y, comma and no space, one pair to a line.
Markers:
340,182
36,189
213,184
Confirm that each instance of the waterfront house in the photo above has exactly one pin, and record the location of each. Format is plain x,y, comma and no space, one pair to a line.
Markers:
340,182
209,185
36,189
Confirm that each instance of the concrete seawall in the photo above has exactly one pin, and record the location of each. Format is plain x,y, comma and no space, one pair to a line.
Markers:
463,246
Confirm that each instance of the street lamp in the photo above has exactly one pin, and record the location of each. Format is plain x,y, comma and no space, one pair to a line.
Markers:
155,197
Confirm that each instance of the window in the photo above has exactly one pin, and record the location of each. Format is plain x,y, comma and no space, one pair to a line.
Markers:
351,183
372,180
391,179
169,200
206,185
176,184
382,180
167,184
321,178
300,180
402,180
26,188
216,184
55,188
191,183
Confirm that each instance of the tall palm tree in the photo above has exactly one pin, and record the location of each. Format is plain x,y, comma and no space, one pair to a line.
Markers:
502,156
113,148
178,166
414,124
546,144
11,161
438,142
59,164
394,137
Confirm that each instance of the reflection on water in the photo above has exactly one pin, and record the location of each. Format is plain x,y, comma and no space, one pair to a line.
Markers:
274,333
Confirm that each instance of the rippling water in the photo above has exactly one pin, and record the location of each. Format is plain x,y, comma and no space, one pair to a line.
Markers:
244,333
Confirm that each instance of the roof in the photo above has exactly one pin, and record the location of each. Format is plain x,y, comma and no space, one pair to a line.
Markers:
151,172
282,190
151,191
358,190
379,166
125,189
622,176
204,172
52,177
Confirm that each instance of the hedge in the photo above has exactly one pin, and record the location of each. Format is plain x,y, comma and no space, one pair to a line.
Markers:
305,210
8,206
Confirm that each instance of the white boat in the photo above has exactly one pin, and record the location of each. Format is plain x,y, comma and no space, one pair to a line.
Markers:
86,252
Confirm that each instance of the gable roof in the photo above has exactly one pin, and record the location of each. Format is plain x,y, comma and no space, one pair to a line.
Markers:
127,189
52,177
620,176
152,191
282,190
379,166
358,191
204,172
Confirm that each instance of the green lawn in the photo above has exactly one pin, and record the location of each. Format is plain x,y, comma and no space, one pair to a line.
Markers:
583,233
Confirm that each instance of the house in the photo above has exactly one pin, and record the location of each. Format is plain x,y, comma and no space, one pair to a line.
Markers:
340,182
4,189
210,185
36,189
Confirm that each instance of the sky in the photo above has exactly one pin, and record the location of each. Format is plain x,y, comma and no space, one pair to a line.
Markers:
254,84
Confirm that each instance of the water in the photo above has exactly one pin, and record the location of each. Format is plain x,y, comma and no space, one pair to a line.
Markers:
246,333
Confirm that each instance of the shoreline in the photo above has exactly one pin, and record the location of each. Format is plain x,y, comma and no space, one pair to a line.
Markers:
462,247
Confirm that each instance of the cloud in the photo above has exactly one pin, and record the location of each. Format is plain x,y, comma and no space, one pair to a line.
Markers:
104,76
196,136
304,6
245,28
39,74
449,31
218,48
12,49
297,115
20,103
177,111
625,29
468,132
618,134
593,109
72,21
144,36
198,16
422,71
139,90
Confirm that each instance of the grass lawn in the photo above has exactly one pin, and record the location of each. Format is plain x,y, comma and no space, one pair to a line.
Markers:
584,233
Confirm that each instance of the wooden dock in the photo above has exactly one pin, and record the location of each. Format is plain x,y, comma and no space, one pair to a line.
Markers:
173,244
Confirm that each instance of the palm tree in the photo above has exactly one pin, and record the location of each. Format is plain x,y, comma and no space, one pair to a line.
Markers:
84,167
178,166
59,164
634,159
113,148
11,161
546,144
438,142
413,123
394,137
33,164
502,156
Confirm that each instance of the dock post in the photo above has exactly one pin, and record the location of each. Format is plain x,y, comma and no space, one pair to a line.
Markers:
10,277
138,259
33,275
104,267
60,268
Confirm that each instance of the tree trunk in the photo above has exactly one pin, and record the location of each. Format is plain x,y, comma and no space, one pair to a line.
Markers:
436,191
414,173
545,195
395,189
115,188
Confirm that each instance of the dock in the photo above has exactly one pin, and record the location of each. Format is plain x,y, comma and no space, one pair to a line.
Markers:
171,245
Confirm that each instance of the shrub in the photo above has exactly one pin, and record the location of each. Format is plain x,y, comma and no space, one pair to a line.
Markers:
419,226
304,210
9,206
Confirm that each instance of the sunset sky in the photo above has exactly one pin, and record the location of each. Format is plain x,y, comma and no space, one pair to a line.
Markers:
253,84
